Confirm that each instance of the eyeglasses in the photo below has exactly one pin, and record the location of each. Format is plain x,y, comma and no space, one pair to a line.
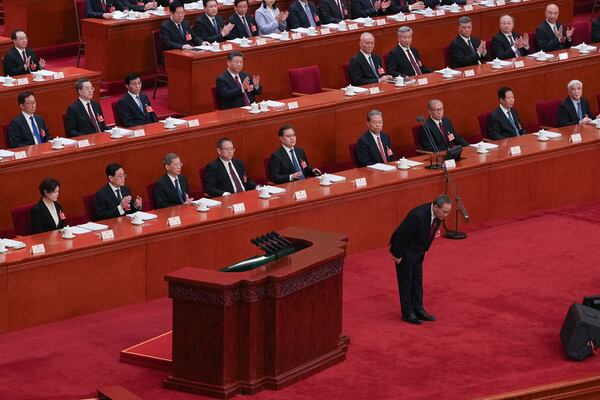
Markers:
177,165
123,176
228,148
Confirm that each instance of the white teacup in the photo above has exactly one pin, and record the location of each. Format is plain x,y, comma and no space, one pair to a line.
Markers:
3,248
403,164
342,26
215,46
264,193
202,206
428,12
8,81
37,76
325,180
243,41
454,7
598,122
583,50
399,80
542,136
312,31
447,74
57,143
67,232
348,91
160,10
137,219
254,108
263,106
369,21
481,148
285,35
169,123
497,63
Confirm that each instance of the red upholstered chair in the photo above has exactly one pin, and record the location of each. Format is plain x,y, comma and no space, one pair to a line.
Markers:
118,120
267,169
583,32
546,112
346,68
417,139
385,57
216,99
353,158
64,119
4,137
483,124
79,15
21,217
532,43
446,55
201,171
306,80
598,99
159,62
150,190
89,206
488,46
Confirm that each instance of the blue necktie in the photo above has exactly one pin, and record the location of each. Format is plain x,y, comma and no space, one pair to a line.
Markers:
36,132
512,122
178,188
579,114
309,15
296,165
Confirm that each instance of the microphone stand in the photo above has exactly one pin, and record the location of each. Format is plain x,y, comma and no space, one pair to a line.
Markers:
436,150
460,207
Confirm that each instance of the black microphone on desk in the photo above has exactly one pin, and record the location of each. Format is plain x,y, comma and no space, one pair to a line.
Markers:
436,150
276,236
261,246
272,243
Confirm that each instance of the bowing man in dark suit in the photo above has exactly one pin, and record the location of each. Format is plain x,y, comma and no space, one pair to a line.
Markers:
550,35
371,8
85,115
102,8
134,106
408,245
114,199
366,67
504,121
509,44
374,146
172,188
244,23
235,87
289,163
47,214
465,49
302,14
226,175
441,129
596,30
27,128
575,109
175,32
405,60
333,11
209,27
21,60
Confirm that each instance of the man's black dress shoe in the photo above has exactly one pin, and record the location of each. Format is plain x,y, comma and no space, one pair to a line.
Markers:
425,316
412,319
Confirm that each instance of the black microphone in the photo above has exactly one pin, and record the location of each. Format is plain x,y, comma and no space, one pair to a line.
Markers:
436,151
279,238
420,119
261,246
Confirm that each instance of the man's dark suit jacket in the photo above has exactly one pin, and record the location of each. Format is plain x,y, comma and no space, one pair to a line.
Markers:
546,39
94,9
399,64
239,30
367,152
297,18
499,127
330,12
41,219
130,112
106,202
216,178
230,93
502,49
413,236
133,5
165,3
402,6
596,30
280,165
441,142
172,38
360,71
461,55
78,120
20,135
205,31
165,194
365,8
13,62
567,115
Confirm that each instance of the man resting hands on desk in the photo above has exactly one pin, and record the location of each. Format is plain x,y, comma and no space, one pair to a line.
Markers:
114,199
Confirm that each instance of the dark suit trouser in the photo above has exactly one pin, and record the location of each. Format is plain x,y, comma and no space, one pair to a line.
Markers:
410,285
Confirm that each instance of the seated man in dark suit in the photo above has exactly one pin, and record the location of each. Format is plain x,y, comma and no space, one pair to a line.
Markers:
85,115
333,11
139,5
27,128
235,88
504,121
465,49
374,146
289,163
550,35
302,14
509,44
404,60
226,175
209,26
175,32
134,106
406,6
596,30
575,109
244,23
441,129
21,60
368,8
47,214
172,188
366,67
102,8
114,199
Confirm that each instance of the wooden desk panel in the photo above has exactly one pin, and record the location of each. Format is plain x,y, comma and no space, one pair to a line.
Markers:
5,45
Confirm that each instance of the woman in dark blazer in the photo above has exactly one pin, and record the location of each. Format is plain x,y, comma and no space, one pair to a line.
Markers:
47,214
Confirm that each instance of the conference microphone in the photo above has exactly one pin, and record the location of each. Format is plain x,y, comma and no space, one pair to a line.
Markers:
464,212
261,246
280,239
420,119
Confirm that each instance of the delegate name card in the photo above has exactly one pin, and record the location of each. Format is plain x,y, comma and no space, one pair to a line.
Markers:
107,235
38,249
239,207
300,195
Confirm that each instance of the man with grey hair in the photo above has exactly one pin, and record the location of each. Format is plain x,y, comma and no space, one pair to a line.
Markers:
172,188
405,60
408,245
374,146
226,175
509,44
366,67
465,49
85,115
575,109
441,129
550,35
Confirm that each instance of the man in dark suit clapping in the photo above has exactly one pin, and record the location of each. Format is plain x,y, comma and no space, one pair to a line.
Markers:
27,128
175,32
235,87
303,14
550,35
226,175
509,44
405,60
244,24
575,109
374,146
114,199
465,49
289,162
20,59
134,106
172,188
85,115
209,26
504,121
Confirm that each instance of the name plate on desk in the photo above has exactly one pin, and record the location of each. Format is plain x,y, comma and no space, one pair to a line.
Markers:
174,221
360,182
139,133
260,42
239,208
515,150
83,143
469,73
374,90
563,56
411,17
38,249
500,3
352,27
325,31
227,47
22,81
300,195
107,235
575,138
440,13
292,105
468,7
422,81
519,64
193,123
380,22
20,154
450,164
296,35
58,75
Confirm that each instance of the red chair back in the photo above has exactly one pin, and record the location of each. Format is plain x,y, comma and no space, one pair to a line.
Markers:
216,99
21,217
446,54
532,43
118,120
89,206
546,112
150,190
346,68
158,51
598,99
483,124
416,130
64,119
385,57
583,32
202,179
4,137
266,164
305,79
353,158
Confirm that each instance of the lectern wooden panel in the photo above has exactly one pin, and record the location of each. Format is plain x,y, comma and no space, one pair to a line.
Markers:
242,332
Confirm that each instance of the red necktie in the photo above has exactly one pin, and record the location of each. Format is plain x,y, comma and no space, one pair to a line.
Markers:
413,62
443,130
103,5
92,117
236,181
432,229
381,152
246,99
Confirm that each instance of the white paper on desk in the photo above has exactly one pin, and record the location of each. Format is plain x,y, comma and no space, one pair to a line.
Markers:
331,26
45,72
411,163
205,47
275,104
194,6
79,230
424,12
7,153
225,2
300,30
400,17
549,134
93,226
358,89
333,178
176,121
448,7
486,145
488,4
145,216
273,189
154,12
275,36
503,63
208,202
237,41
15,244
119,15
546,55
584,46
64,141
382,167
452,71
364,20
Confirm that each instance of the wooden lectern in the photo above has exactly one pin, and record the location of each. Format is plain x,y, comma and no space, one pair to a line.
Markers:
242,332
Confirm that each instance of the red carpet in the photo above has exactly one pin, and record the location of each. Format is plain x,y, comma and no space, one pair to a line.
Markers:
500,298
